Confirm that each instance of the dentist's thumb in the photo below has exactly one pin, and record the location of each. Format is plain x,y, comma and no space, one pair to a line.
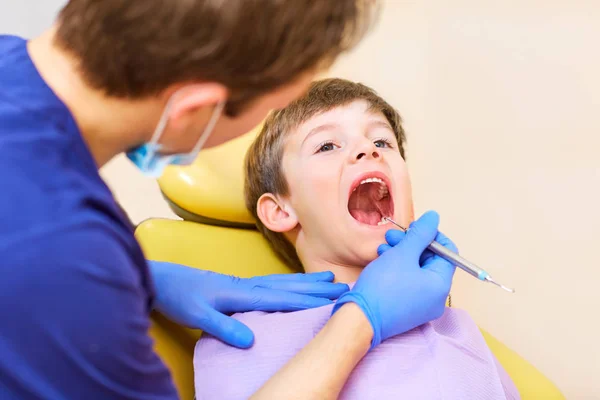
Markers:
421,233
226,329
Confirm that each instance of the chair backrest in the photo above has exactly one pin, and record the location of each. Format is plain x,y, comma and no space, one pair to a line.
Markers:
210,190
232,251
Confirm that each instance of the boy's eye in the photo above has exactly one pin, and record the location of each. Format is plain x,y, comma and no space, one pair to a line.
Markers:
382,143
327,146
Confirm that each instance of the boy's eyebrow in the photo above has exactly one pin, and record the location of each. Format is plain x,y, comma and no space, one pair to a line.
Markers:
326,127
379,123
320,128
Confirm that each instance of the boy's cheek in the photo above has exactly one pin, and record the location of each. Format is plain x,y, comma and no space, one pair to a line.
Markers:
320,187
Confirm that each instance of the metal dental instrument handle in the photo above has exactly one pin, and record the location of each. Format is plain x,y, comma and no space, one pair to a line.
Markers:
457,260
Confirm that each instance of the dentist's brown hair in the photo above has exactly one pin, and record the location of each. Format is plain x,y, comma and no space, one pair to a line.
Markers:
137,48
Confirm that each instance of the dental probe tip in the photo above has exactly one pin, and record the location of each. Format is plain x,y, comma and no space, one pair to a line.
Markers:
395,223
489,279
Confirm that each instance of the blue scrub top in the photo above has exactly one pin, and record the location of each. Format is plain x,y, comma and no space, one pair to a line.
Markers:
75,291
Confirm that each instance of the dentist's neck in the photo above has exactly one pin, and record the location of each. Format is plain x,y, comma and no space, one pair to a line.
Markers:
108,125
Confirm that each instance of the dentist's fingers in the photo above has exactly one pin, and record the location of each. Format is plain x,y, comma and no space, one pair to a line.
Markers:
420,234
325,276
224,328
394,236
318,289
263,299
383,248
440,266
444,241
426,256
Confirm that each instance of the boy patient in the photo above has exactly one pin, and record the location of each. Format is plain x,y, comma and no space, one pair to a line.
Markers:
320,177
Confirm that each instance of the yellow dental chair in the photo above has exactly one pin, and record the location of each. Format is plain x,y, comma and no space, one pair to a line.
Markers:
217,234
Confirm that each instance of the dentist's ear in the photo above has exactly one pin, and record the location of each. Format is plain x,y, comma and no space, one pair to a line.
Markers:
189,99
275,214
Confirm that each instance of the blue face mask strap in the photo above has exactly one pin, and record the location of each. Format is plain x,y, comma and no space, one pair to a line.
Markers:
147,156
206,134
164,119
144,155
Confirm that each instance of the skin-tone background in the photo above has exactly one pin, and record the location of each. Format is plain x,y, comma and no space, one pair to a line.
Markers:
500,102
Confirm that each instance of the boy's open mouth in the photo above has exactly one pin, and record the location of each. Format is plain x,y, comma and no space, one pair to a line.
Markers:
370,201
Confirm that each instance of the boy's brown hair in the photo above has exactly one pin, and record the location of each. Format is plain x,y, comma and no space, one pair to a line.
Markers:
136,48
263,161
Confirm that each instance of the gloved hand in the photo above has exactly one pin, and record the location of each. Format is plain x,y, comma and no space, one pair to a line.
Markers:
405,286
200,299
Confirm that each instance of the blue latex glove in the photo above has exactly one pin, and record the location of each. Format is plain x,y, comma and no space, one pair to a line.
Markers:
200,299
405,286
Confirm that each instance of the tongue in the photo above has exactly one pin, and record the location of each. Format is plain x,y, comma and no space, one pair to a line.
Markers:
363,204
366,217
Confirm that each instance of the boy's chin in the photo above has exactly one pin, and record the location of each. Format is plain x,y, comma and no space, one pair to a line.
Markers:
367,252
370,243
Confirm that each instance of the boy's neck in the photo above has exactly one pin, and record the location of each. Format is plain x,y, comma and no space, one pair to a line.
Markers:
343,273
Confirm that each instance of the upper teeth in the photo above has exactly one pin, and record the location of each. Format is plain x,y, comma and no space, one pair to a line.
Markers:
369,180
383,190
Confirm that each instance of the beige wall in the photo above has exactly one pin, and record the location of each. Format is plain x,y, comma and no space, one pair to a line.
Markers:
501,102
139,196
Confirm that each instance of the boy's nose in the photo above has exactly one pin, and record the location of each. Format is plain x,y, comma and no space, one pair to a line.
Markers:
372,153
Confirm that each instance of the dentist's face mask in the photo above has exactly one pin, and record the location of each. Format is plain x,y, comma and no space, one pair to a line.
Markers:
148,157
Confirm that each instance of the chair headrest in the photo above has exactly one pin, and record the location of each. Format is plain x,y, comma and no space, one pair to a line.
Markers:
211,189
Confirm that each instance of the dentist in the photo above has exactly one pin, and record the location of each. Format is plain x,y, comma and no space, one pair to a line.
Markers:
159,81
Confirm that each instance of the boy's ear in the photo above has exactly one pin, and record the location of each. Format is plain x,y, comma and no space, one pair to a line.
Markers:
275,214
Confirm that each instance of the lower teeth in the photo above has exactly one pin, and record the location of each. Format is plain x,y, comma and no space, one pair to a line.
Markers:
383,221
